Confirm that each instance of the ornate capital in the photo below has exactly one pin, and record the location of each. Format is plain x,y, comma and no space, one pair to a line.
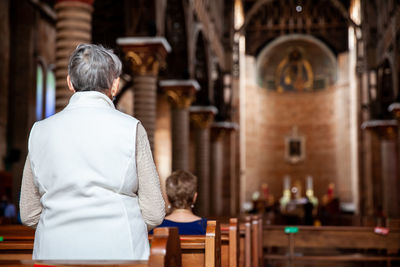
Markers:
202,116
181,93
220,129
145,54
386,129
395,110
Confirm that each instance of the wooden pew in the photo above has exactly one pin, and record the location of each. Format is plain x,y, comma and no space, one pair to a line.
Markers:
248,247
256,241
249,243
332,237
230,243
165,251
16,233
245,242
202,250
199,250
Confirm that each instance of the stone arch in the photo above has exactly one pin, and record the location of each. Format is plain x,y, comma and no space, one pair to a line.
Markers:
176,34
201,70
259,4
386,93
218,97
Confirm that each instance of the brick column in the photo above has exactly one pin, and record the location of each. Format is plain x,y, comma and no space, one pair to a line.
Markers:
387,132
181,94
219,131
73,27
202,118
145,54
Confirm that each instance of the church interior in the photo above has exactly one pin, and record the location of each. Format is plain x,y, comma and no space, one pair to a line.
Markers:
286,110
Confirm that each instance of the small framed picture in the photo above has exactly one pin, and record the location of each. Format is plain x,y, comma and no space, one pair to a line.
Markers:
294,149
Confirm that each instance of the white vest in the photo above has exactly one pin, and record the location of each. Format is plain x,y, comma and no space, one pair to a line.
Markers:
83,161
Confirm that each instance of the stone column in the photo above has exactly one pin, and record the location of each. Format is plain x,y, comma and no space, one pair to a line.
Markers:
202,117
181,94
395,110
73,27
387,132
4,74
219,131
145,54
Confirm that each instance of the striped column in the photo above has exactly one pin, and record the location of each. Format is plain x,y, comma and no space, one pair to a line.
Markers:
145,55
73,27
181,94
202,117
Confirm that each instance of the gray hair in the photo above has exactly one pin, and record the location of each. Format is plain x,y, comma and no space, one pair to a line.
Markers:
93,68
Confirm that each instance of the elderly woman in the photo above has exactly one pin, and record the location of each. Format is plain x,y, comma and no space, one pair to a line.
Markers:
181,191
89,184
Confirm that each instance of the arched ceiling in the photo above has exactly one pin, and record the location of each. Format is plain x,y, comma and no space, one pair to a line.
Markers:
327,20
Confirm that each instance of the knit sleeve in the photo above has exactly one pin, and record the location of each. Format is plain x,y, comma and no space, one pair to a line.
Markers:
151,201
29,204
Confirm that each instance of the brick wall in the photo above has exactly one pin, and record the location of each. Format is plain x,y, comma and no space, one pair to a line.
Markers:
320,117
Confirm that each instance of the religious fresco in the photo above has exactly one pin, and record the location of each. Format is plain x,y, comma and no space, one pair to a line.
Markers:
297,63
294,73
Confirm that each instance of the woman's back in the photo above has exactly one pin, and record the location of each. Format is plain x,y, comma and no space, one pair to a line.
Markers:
83,160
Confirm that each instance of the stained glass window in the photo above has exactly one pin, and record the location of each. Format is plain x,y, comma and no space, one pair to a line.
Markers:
39,92
50,93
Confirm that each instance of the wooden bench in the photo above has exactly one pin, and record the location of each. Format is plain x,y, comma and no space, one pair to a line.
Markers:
230,243
242,240
202,250
328,238
199,250
256,239
16,233
245,242
165,251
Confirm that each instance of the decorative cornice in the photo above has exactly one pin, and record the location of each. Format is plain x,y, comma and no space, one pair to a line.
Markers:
395,109
227,125
387,129
180,83
221,128
181,93
145,54
144,41
202,116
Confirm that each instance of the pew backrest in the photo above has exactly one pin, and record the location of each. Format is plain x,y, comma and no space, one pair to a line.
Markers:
165,251
256,241
230,243
332,237
202,250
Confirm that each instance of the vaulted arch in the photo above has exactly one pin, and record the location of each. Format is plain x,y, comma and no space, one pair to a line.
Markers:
176,34
201,71
268,19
